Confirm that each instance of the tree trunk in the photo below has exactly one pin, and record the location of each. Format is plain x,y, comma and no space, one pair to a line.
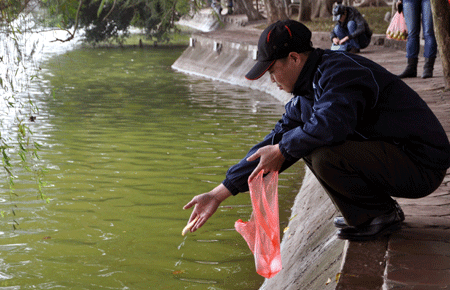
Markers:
304,11
322,8
441,22
276,10
246,7
286,4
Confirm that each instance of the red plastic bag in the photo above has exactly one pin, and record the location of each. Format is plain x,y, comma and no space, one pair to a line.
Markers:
397,28
262,231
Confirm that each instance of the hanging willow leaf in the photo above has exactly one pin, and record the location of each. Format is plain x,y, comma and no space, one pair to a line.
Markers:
100,8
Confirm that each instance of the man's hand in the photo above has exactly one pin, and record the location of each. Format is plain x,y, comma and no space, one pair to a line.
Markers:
206,205
344,40
271,159
336,40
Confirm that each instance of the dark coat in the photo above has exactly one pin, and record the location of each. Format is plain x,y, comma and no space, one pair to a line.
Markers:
341,96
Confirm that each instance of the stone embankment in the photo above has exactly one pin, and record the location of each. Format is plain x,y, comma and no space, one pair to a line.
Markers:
417,257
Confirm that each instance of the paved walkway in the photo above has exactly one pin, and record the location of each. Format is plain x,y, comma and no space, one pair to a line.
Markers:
418,256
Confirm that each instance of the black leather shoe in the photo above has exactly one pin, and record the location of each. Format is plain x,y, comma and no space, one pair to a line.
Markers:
379,226
340,222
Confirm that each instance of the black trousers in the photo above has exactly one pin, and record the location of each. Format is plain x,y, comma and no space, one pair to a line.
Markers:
361,177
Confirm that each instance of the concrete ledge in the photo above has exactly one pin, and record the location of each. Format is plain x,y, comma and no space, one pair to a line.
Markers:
205,20
225,61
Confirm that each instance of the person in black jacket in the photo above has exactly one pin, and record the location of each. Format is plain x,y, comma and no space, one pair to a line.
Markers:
351,32
364,133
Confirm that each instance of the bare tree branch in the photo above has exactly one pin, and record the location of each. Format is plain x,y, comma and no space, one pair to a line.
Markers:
72,34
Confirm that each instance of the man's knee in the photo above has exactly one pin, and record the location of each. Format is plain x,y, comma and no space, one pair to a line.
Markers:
325,161
351,26
345,158
340,32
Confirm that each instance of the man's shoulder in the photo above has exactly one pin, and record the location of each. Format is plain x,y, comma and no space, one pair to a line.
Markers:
338,62
342,57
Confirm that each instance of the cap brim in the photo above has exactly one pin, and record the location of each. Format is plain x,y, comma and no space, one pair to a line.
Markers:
259,69
336,17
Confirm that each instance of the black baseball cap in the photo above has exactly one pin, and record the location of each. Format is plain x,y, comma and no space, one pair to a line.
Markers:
276,42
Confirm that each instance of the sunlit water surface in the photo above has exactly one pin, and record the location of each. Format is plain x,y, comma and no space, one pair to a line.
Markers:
127,142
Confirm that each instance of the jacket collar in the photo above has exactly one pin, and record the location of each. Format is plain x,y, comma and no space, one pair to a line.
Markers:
303,86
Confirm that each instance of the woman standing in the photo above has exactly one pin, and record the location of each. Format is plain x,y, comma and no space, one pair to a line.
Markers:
414,11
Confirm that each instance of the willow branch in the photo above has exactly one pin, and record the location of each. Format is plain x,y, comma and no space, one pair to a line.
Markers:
72,34
110,11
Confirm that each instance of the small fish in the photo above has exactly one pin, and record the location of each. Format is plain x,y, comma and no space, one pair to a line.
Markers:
189,226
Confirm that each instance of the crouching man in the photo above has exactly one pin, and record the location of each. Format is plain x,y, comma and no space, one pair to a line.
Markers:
351,32
364,133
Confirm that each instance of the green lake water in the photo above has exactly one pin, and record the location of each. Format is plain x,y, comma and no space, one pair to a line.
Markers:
128,142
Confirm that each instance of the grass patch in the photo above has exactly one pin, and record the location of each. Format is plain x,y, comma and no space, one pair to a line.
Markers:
375,18
176,39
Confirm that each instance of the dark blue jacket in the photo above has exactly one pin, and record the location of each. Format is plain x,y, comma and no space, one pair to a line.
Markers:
340,96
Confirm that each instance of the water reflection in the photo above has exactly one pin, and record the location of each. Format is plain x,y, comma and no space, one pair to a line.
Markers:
24,45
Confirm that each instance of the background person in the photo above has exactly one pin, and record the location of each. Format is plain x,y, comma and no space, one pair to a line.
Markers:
414,11
351,32
217,6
